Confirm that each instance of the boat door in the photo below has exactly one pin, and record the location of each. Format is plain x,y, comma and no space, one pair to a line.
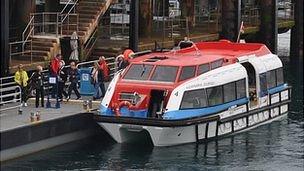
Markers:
257,83
252,83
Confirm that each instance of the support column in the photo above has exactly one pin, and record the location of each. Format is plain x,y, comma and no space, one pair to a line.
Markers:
269,24
231,19
133,34
296,43
4,56
145,18
187,9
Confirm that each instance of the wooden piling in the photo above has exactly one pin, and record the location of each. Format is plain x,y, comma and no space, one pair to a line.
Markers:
145,18
269,24
4,56
296,44
231,18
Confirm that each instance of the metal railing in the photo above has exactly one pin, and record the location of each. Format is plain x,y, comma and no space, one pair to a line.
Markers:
18,49
10,94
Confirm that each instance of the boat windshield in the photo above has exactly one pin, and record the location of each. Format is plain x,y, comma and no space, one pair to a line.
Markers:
165,74
139,72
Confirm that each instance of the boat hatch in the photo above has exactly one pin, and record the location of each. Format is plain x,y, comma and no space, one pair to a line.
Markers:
156,58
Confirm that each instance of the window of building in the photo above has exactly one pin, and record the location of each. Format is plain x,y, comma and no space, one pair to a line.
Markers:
215,95
271,79
138,72
165,74
229,92
194,99
187,72
280,76
203,69
217,64
241,89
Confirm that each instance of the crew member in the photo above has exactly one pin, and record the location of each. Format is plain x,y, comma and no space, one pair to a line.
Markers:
73,75
37,81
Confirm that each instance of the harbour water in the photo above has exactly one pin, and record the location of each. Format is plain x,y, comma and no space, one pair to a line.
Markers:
275,146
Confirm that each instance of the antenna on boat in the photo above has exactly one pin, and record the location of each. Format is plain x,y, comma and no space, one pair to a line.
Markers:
242,30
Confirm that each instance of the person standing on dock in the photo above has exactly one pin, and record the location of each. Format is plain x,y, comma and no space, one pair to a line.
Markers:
97,79
73,75
62,78
54,71
37,80
104,67
21,79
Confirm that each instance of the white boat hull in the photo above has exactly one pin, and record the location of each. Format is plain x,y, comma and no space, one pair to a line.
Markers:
170,136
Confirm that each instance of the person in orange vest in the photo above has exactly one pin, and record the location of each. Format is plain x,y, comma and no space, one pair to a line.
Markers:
128,54
104,67
21,78
123,60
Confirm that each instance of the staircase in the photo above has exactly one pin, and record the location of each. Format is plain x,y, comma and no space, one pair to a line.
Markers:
39,45
90,12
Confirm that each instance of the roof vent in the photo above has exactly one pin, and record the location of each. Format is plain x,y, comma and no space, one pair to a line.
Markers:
156,58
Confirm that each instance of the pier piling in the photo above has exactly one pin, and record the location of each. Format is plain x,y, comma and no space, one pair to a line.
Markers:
231,18
269,24
4,56
133,34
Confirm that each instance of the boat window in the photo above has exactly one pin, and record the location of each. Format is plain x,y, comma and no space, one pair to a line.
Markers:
263,84
164,73
203,69
216,64
194,99
240,89
229,92
271,79
215,95
139,72
187,72
280,76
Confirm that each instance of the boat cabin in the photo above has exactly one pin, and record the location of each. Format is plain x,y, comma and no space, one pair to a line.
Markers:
203,79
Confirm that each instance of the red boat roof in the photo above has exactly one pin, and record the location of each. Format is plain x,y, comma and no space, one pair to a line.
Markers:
204,52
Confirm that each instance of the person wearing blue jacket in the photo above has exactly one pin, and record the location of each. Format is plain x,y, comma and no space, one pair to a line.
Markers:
73,75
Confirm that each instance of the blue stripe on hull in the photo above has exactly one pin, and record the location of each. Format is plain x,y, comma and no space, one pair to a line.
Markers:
124,112
190,113
277,89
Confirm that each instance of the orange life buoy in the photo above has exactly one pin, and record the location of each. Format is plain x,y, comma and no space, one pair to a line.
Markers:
122,104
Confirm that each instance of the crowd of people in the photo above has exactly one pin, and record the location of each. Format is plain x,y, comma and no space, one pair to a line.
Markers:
59,75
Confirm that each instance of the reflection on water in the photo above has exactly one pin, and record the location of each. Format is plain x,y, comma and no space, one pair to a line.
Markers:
275,146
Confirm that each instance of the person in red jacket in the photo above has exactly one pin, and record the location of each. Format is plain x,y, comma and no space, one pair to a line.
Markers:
104,67
55,65
56,62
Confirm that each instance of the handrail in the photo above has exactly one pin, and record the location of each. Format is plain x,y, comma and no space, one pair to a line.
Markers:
29,33
66,5
67,14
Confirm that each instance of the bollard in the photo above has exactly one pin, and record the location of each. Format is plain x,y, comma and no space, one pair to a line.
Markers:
20,111
38,115
32,117
85,105
90,104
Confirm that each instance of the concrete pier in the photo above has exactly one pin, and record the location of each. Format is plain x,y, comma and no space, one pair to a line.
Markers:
20,136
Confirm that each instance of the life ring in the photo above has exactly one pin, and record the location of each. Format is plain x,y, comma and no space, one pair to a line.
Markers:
122,104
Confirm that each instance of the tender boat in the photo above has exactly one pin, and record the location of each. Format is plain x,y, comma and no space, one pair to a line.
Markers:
196,92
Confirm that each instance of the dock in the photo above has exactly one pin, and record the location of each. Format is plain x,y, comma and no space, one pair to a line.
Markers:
20,136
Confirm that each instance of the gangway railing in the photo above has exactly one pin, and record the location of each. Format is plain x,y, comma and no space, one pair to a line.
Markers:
10,94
